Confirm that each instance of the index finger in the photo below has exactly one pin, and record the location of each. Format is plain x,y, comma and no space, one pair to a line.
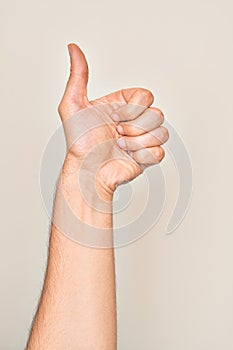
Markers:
137,102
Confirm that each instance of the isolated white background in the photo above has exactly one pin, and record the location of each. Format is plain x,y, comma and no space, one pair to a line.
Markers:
174,292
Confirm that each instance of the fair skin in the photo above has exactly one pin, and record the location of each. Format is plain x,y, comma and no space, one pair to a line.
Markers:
77,309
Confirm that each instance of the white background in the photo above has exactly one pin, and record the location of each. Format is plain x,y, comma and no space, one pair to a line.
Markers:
174,292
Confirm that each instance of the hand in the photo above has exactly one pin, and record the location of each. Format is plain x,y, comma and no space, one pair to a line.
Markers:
116,136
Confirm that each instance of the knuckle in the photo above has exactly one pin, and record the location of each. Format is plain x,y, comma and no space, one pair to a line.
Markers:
160,114
163,134
159,153
148,94
60,108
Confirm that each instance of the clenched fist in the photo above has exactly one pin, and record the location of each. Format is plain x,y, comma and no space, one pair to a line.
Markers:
115,137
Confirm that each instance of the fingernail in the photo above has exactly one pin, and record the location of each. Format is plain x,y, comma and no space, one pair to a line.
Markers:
120,129
115,117
121,143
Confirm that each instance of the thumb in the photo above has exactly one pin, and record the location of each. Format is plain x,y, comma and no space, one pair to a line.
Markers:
75,96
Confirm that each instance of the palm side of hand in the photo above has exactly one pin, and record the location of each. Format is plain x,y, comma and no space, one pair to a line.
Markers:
93,131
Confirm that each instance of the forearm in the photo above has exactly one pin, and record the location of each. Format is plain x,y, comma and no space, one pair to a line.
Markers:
78,306
119,135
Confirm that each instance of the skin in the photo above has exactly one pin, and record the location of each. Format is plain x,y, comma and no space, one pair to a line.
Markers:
77,309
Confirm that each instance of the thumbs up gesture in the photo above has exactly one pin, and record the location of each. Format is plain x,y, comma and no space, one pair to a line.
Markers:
114,137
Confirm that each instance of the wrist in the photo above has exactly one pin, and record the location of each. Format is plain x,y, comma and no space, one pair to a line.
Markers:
83,207
88,180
